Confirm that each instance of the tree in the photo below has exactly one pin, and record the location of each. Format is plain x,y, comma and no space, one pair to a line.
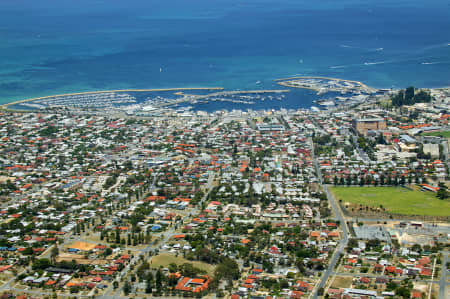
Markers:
299,263
227,269
409,95
117,235
148,287
380,139
173,267
126,288
404,292
352,243
107,252
28,251
187,269
41,264
159,277
442,192
417,248
422,97
54,253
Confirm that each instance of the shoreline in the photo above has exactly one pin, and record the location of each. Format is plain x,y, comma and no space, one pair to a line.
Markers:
179,91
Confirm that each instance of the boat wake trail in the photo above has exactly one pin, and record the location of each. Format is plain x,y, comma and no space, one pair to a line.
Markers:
362,48
435,62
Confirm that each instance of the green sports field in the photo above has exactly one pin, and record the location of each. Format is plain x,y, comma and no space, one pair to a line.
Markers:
445,134
395,200
165,259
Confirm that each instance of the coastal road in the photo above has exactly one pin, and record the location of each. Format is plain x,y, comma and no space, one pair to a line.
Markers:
7,285
152,186
361,152
369,275
40,293
342,243
339,216
443,281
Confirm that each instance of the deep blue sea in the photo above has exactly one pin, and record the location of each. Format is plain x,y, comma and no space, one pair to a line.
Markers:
57,46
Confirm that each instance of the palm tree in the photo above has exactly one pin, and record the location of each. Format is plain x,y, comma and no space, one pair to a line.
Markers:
54,253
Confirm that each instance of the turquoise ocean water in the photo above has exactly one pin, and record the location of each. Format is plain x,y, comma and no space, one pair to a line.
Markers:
50,47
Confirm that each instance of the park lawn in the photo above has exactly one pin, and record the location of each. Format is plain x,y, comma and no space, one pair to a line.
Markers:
445,134
340,282
395,200
165,259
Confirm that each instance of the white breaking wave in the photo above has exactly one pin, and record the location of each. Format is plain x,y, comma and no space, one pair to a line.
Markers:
374,63
338,67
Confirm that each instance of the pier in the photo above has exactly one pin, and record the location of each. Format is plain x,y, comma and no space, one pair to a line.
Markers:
192,97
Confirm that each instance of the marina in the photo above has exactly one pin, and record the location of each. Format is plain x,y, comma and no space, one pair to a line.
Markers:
326,93
326,84
145,100
91,96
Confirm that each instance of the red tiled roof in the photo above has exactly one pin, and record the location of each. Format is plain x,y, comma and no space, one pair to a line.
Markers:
390,269
296,294
425,272
197,280
4,268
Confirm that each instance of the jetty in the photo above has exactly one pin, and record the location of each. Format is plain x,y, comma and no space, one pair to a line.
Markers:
195,98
